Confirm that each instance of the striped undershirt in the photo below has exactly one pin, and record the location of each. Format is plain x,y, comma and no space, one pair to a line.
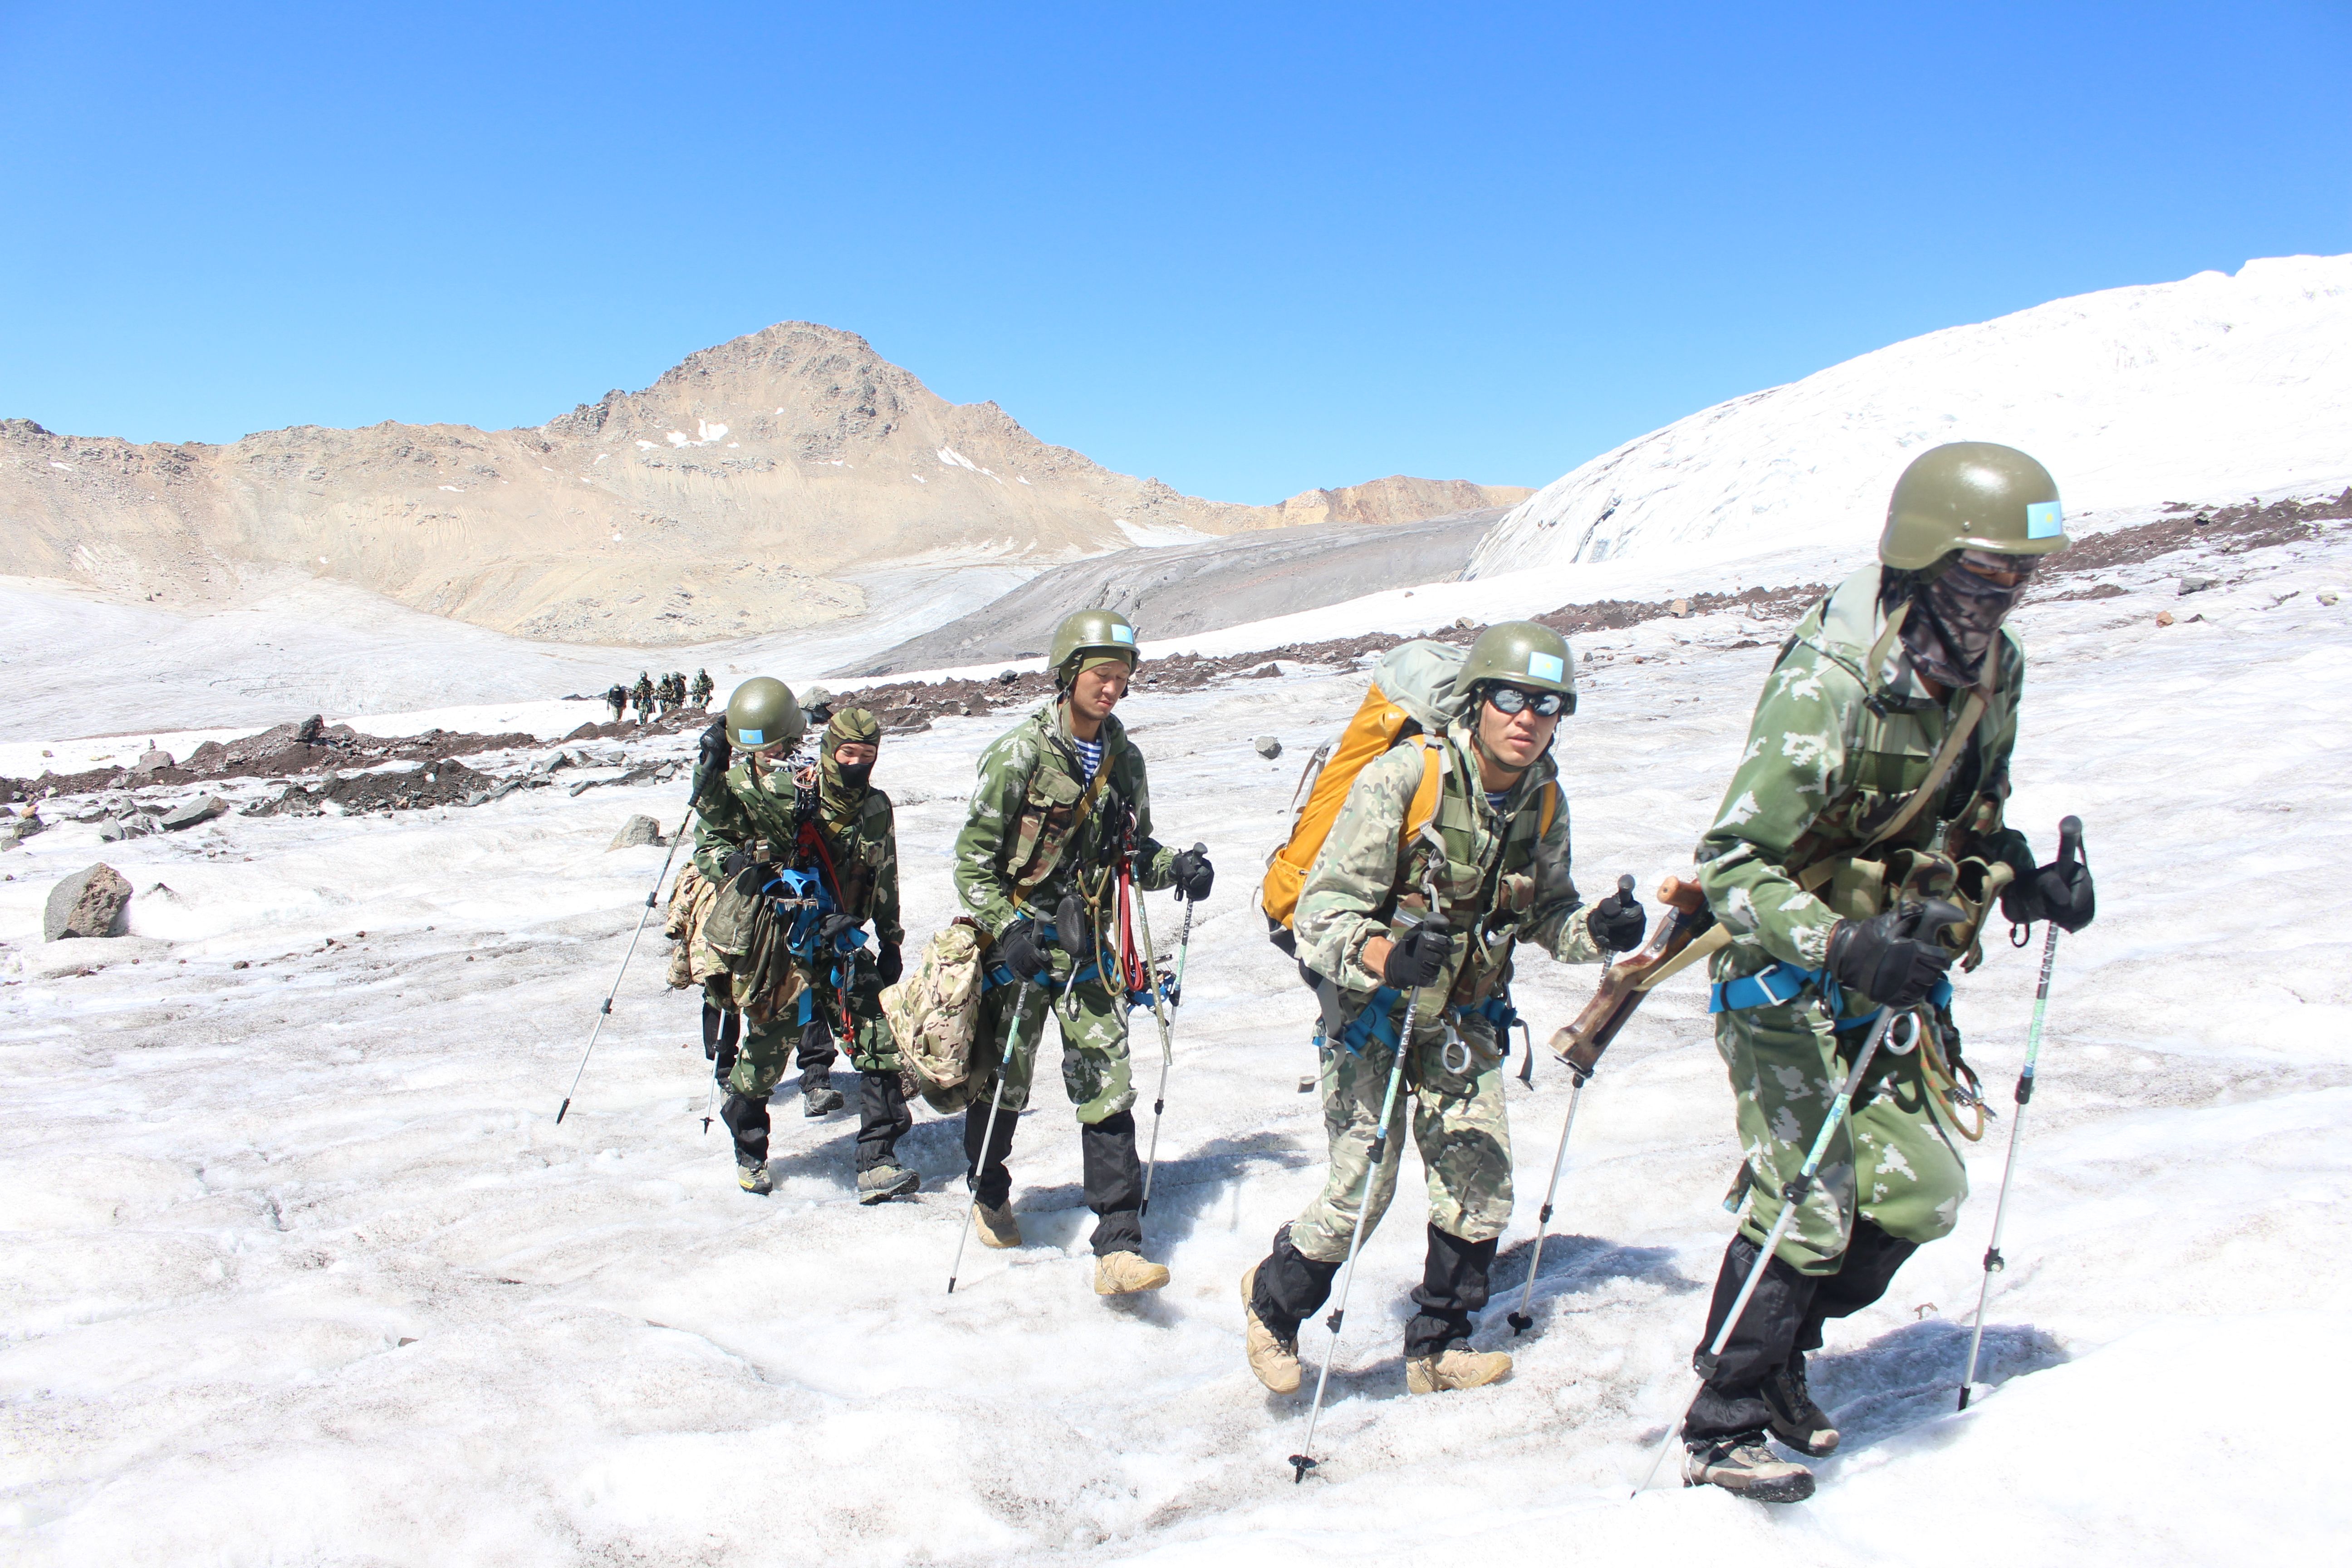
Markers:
1089,756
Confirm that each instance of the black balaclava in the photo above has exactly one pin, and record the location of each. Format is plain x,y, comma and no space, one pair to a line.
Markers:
1956,614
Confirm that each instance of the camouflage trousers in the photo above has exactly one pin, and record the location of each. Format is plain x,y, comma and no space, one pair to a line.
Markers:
1892,1161
1459,1123
767,1053
1095,1072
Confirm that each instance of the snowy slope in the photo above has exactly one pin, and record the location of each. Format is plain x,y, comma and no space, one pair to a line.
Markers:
300,1269
2210,388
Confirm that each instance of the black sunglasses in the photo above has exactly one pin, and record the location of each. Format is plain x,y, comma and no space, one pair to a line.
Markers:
1547,704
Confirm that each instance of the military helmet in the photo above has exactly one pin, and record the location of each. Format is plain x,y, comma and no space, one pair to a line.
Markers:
1104,632
1971,495
1521,653
763,713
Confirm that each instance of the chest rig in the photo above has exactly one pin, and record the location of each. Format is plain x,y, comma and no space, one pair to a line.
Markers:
1483,870
1918,784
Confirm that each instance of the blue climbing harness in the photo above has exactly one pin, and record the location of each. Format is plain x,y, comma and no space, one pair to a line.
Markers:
1780,983
1089,973
1377,1021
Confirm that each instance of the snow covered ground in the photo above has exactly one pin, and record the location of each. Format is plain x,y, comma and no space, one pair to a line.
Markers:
300,1268
2214,384
78,666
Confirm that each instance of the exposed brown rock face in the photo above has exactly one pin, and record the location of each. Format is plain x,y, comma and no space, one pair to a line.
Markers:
729,497
1400,498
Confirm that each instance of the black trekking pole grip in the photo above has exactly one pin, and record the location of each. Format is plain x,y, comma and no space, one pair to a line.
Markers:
2070,840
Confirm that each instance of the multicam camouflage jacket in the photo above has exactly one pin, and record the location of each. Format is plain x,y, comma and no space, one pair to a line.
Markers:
1502,875
747,812
1024,842
1834,752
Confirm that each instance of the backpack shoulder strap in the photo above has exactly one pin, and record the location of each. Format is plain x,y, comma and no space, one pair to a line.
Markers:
1939,768
1550,808
1423,808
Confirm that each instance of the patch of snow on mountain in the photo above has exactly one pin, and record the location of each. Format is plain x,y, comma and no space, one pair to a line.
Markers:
2130,396
1158,535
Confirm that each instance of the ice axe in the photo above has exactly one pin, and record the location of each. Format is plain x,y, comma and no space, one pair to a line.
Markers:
1624,895
1579,1045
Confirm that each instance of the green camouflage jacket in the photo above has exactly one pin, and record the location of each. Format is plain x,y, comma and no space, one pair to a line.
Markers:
746,812
1019,842
1833,755
1504,877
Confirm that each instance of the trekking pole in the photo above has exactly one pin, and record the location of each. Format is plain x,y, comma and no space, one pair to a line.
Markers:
1167,1051
1303,1461
1519,1321
988,1138
2070,846
1791,1196
606,1011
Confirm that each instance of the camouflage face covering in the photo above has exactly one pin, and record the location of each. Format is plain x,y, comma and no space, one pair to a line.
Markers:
843,788
1956,614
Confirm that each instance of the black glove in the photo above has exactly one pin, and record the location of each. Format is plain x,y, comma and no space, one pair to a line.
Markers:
889,964
2060,892
1193,873
714,754
1073,932
834,925
1418,958
1886,959
1617,921
1020,951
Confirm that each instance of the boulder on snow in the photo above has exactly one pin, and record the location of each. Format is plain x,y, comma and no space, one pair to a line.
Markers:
15,830
2194,584
1268,747
87,903
637,832
204,808
154,759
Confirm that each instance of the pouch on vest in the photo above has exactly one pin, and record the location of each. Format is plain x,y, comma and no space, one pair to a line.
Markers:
1411,694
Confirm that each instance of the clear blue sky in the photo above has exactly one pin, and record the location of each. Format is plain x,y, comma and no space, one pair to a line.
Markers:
1247,250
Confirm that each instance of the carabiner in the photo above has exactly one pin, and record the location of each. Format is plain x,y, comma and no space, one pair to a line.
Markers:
1455,1041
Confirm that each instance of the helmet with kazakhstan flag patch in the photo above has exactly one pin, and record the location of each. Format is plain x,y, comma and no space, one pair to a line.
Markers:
1523,654
1088,637
1971,495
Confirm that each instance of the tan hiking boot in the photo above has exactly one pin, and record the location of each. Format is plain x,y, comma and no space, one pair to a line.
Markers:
1275,1360
997,1227
1125,1273
1454,1368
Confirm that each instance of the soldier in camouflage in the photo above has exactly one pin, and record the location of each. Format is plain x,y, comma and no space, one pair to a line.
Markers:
1495,853
860,854
700,695
642,694
618,695
1877,764
758,815
1056,795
